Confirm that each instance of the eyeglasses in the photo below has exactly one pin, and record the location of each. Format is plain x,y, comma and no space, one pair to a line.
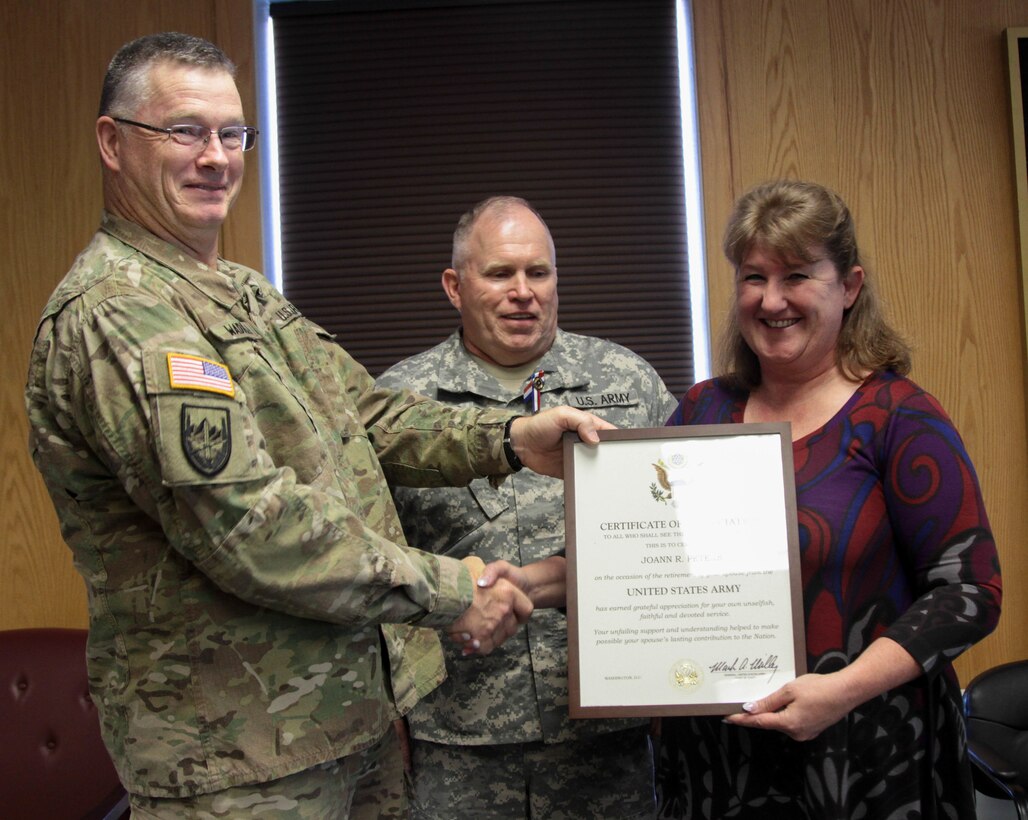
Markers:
233,137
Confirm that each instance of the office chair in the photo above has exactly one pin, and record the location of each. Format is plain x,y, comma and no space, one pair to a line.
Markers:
996,711
53,762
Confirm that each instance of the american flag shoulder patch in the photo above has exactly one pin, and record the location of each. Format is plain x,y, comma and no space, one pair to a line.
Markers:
194,373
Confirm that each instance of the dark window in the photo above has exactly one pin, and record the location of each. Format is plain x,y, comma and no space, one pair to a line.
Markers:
394,118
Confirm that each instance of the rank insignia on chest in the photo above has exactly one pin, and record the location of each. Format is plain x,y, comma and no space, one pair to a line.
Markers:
194,373
206,438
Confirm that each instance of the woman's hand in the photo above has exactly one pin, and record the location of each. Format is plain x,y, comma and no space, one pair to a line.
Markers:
801,709
805,707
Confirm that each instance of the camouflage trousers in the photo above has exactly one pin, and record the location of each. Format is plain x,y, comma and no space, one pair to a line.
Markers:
365,786
607,776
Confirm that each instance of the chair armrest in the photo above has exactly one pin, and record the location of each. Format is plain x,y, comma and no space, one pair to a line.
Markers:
992,762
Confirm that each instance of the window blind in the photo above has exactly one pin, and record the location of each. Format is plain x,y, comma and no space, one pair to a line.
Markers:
395,118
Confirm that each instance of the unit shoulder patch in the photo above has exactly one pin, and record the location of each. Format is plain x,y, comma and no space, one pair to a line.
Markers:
206,438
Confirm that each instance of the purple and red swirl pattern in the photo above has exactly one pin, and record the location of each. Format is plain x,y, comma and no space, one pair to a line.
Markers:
894,541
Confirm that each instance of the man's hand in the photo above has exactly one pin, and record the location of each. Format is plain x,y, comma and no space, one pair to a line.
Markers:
495,614
543,581
537,439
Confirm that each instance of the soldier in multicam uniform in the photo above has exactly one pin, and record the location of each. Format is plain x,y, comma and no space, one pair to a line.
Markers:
495,739
219,468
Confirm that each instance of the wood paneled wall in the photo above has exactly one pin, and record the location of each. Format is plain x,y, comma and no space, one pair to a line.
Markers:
901,106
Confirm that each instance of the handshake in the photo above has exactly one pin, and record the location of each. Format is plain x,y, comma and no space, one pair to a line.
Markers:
505,594
505,597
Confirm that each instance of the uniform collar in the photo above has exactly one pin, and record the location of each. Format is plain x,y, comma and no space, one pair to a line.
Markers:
461,373
224,285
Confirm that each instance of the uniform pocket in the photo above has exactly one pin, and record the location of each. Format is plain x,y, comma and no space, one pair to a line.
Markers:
440,519
203,430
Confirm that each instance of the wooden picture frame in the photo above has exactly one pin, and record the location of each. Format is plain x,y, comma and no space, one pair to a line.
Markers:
1017,58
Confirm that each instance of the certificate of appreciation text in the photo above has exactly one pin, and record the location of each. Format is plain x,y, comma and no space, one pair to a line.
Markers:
684,592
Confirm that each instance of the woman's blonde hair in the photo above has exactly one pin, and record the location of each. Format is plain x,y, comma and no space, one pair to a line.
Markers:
791,219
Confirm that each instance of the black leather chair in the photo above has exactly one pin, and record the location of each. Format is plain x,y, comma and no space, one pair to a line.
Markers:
53,764
996,711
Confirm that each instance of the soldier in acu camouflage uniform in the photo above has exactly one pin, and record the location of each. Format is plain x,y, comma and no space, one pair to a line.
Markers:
495,739
219,468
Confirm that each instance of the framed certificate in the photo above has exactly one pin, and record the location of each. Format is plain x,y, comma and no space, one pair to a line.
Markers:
1017,64
684,589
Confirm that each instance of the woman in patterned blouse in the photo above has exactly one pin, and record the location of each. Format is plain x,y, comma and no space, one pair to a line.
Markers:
899,567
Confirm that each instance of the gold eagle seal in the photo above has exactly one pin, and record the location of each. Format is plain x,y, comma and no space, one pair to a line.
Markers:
685,675
661,488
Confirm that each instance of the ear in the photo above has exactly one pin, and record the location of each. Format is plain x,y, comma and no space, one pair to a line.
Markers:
853,283
108,142
451,284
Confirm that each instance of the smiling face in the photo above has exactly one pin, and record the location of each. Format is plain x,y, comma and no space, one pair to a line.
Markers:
507,292
790,311
179,193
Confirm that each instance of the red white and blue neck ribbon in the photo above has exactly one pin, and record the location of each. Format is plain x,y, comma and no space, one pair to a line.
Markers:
533,392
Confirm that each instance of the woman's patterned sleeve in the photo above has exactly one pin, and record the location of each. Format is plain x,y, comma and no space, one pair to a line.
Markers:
936,509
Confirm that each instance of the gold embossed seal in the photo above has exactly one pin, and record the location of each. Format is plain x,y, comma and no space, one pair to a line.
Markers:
685,675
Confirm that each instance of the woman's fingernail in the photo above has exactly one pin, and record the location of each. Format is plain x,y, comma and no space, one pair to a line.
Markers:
465,636
749,706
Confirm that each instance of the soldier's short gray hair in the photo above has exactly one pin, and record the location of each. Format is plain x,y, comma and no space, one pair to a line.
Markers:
126,83
466,224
